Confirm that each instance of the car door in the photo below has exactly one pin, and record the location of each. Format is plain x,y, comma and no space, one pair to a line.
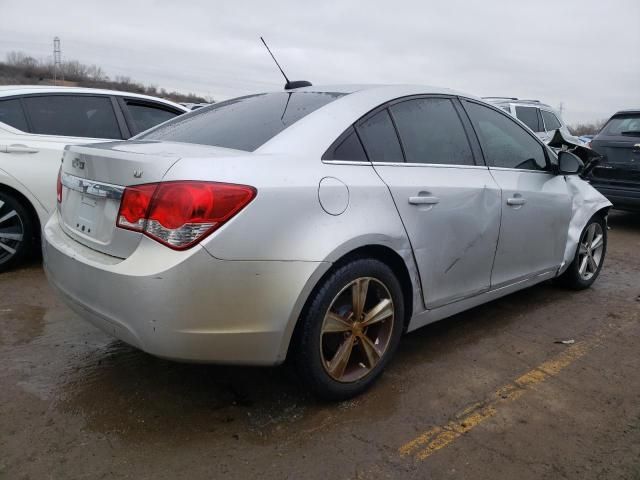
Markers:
449,204
32,154
536,203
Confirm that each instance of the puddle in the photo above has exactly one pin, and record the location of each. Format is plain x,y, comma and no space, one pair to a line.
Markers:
21,324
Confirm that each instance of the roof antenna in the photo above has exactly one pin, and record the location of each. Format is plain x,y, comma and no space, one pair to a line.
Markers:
289,85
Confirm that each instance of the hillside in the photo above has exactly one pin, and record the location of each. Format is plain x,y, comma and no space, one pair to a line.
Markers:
22,69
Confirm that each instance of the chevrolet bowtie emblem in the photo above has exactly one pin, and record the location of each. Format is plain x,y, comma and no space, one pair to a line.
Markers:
77,163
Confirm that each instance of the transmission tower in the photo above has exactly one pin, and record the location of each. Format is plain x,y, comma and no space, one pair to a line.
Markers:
57,60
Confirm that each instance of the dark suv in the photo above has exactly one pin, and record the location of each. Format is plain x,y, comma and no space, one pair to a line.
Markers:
617,176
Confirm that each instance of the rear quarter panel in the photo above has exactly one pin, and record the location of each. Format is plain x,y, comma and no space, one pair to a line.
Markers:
286,220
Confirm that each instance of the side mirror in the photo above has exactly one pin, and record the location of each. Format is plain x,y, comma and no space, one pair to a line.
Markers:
569,163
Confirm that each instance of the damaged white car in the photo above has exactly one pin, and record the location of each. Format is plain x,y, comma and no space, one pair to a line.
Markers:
319,224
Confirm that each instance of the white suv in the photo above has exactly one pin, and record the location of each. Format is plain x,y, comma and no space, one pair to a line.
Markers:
539,117
36,122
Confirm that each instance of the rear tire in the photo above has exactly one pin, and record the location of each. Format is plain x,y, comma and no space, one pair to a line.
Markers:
350,329
589,257
16,232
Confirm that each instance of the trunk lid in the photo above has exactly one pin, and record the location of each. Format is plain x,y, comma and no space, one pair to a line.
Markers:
94,178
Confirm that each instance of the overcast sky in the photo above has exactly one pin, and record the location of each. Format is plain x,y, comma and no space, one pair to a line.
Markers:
585,54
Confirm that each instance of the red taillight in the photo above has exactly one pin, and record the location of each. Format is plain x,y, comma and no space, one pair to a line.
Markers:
59,186
180,214
134,206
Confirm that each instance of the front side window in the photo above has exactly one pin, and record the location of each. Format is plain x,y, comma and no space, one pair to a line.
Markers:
431,132
505,143
550,121
12,114
73,116
529,116
244,123
146,116
379,138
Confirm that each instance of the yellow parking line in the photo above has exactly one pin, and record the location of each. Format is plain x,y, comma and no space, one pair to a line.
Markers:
436,438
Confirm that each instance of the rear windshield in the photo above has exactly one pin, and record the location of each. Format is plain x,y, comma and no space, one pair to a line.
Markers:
243,123
624,125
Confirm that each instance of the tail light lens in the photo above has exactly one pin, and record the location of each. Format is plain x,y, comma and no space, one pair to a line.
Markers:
59,186
180,214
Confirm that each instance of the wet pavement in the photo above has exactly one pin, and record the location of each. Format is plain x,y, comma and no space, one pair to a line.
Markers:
485,394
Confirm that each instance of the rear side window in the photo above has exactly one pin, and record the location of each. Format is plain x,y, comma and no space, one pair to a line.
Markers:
529,116
550,121
431,132
624,125
505,143
146,116
243,123
347,147
379,138
12,114
73,116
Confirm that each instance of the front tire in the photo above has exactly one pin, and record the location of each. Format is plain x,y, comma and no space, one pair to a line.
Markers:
589,256
16,232
350,329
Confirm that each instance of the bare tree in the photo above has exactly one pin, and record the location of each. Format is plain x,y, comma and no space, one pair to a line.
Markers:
590,128
20,68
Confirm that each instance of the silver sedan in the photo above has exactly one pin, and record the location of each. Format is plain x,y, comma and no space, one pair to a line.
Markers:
318,224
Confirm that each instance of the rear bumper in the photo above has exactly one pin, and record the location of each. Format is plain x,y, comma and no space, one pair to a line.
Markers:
623,198
185,306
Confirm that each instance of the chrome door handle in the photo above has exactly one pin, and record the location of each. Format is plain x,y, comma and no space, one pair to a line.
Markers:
17,148
423,200
516,201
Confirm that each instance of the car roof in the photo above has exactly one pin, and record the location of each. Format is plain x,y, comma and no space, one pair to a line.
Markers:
501,101
517,101
627,111
10,90
392,89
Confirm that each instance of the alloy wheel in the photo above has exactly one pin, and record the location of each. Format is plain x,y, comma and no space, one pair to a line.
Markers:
357,329
11,231
590,253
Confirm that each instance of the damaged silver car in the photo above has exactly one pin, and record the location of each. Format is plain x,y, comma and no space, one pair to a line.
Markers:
318,224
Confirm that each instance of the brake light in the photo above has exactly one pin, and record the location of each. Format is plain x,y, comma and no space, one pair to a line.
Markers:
134,206
180,214
59,186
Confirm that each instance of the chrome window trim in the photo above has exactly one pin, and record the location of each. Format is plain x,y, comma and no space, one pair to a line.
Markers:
432,165
405,164
521,170
346,162
90,187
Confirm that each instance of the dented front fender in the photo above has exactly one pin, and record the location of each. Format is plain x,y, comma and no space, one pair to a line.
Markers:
586,202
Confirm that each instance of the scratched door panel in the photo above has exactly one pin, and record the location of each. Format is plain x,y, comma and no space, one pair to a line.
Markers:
454,240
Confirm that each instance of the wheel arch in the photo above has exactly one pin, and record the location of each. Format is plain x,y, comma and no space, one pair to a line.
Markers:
401,262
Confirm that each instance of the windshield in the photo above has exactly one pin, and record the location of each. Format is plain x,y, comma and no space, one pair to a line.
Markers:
243,123
624,125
